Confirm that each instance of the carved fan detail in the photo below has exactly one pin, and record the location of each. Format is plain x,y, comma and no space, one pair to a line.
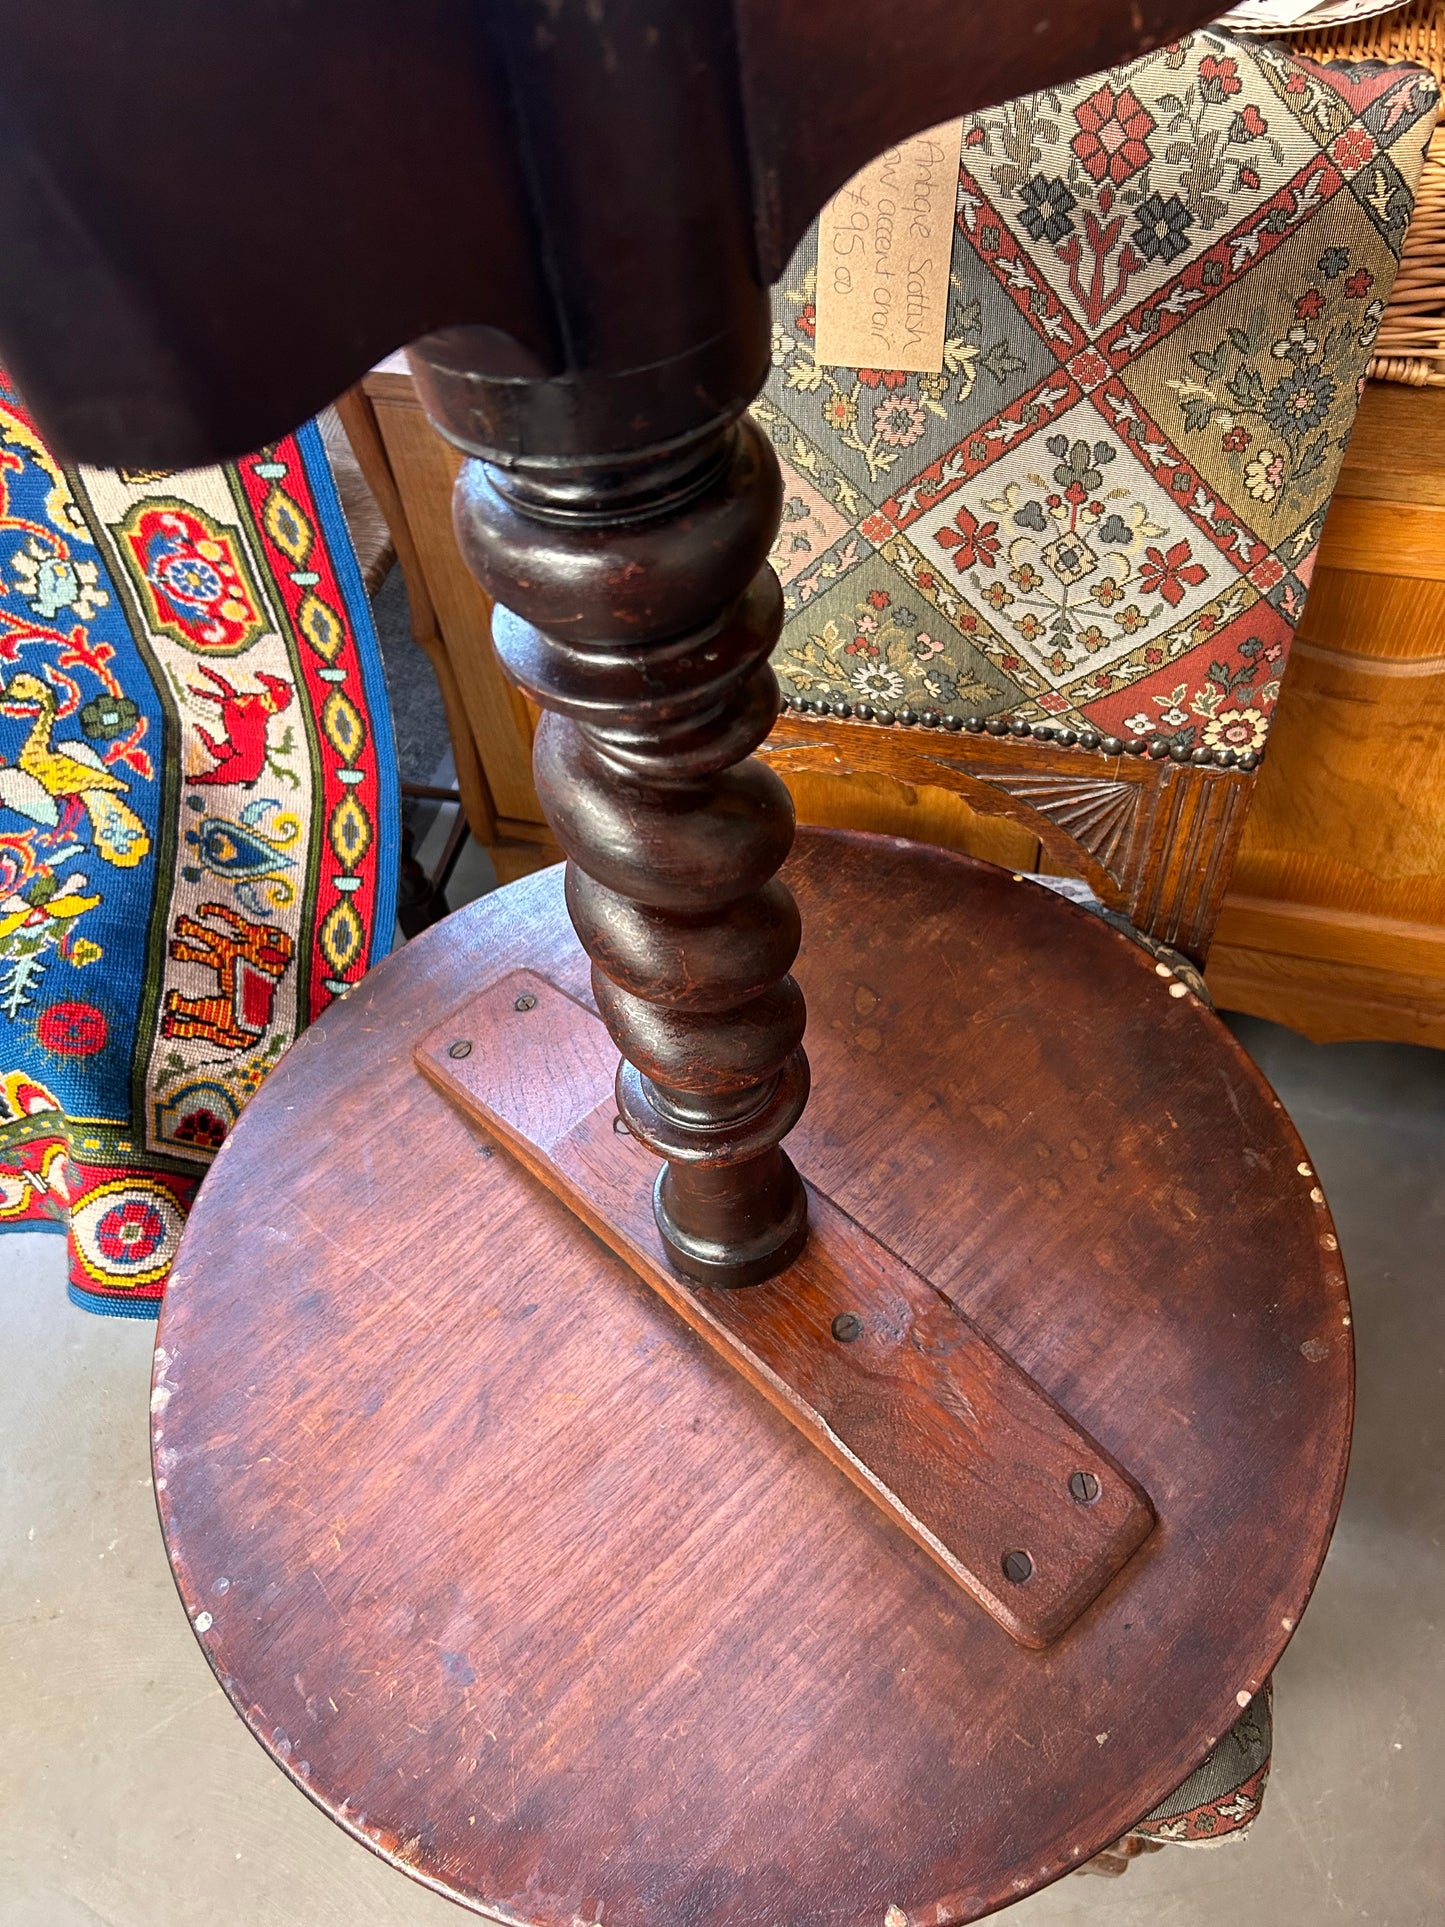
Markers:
1097,812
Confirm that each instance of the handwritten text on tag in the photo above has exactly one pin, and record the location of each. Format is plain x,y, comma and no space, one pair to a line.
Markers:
884,246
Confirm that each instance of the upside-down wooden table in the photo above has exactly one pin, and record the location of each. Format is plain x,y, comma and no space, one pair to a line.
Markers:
867,1545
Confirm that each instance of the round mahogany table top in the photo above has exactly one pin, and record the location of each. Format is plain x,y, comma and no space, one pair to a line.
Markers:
537,1598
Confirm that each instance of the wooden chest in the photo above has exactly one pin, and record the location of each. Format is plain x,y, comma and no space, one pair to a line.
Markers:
1335,919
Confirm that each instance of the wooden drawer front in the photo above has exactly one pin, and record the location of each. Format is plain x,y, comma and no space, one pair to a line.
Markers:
1385,538
1349,813
1335,919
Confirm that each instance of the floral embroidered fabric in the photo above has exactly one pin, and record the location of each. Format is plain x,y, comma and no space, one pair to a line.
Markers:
1222,1796
1103,510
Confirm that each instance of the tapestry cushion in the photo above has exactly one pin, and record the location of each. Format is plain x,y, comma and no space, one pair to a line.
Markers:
1222,1796
198,825
1103,511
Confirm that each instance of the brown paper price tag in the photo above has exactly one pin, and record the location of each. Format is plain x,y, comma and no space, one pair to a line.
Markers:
884,246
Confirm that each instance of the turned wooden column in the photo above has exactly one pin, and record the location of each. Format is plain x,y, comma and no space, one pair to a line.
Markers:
581,211
637,607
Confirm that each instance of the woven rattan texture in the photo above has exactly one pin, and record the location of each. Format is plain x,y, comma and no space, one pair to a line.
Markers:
1410,346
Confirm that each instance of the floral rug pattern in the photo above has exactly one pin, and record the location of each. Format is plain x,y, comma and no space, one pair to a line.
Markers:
1103,510
198,825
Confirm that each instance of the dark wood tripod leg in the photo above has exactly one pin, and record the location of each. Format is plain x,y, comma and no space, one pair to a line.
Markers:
635,604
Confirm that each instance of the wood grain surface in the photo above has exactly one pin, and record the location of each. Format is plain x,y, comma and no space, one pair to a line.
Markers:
546,1605
1154,840
1335,918
957,1446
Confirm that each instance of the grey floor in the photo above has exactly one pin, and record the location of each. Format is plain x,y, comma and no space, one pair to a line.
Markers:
131,1796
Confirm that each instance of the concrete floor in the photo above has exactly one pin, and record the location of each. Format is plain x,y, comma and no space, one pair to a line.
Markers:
131,1796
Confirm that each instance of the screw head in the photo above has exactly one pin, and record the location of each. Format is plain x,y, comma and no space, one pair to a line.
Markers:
525,1002
461,1048
1083,1487
847,1326
1017,1567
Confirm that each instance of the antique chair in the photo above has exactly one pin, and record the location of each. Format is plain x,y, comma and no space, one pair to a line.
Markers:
879,1534
1201,380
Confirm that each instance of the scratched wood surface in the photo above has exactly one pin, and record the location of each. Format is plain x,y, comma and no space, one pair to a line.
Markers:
884,1374
548,1606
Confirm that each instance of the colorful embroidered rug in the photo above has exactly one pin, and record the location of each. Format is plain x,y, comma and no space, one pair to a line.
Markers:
198,825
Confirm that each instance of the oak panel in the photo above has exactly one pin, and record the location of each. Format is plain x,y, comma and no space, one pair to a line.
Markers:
1349,811
1385,538
869,800
1329,1000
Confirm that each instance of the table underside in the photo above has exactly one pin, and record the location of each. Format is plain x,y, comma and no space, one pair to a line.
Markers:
534,1594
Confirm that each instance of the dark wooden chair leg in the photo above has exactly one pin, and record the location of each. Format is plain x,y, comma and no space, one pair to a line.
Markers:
422,897
416,901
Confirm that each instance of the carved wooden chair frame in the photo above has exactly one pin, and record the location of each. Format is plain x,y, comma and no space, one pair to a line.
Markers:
1153,836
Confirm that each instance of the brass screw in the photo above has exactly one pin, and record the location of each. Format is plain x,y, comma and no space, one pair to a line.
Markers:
847,1326
1017,1567
525,1002
461,1048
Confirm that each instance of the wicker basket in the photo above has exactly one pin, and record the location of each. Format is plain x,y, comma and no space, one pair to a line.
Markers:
1410,346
